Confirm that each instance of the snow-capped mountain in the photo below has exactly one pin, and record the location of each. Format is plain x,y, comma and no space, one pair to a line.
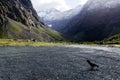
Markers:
57,20
48,14
97,20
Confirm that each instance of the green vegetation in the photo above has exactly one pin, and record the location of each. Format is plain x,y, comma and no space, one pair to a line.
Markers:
112,40
13,27
54,34
19,42
16,30
46,33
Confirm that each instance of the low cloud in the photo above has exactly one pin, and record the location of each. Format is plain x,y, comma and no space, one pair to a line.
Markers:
82,2
48,4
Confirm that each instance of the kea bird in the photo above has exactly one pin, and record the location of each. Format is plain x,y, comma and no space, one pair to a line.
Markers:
93,65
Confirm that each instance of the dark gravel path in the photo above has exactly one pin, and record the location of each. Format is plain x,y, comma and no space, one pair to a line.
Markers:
59,63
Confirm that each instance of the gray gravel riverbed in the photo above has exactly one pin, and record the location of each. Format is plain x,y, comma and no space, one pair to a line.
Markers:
59,63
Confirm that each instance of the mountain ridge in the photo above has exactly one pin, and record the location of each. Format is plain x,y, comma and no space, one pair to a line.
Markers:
94,23
19,20
57,19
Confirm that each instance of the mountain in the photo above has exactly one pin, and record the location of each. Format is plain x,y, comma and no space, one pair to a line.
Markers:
18,20
48,14
97,20
58,20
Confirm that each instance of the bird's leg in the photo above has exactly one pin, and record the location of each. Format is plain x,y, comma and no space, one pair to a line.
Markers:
92,68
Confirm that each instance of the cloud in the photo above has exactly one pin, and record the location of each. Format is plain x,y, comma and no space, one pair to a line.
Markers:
82,2
48,4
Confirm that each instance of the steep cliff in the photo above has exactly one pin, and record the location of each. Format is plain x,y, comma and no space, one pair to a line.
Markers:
19,20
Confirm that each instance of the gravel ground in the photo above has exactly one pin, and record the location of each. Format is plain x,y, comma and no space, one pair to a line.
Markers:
59,63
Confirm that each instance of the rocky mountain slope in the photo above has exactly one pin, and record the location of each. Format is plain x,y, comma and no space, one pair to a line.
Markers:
97,20
19,20
58,20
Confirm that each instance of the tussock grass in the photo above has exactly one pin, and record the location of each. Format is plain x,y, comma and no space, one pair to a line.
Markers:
11,42
20,42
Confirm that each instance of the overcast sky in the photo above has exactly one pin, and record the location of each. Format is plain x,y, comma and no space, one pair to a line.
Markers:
61,5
